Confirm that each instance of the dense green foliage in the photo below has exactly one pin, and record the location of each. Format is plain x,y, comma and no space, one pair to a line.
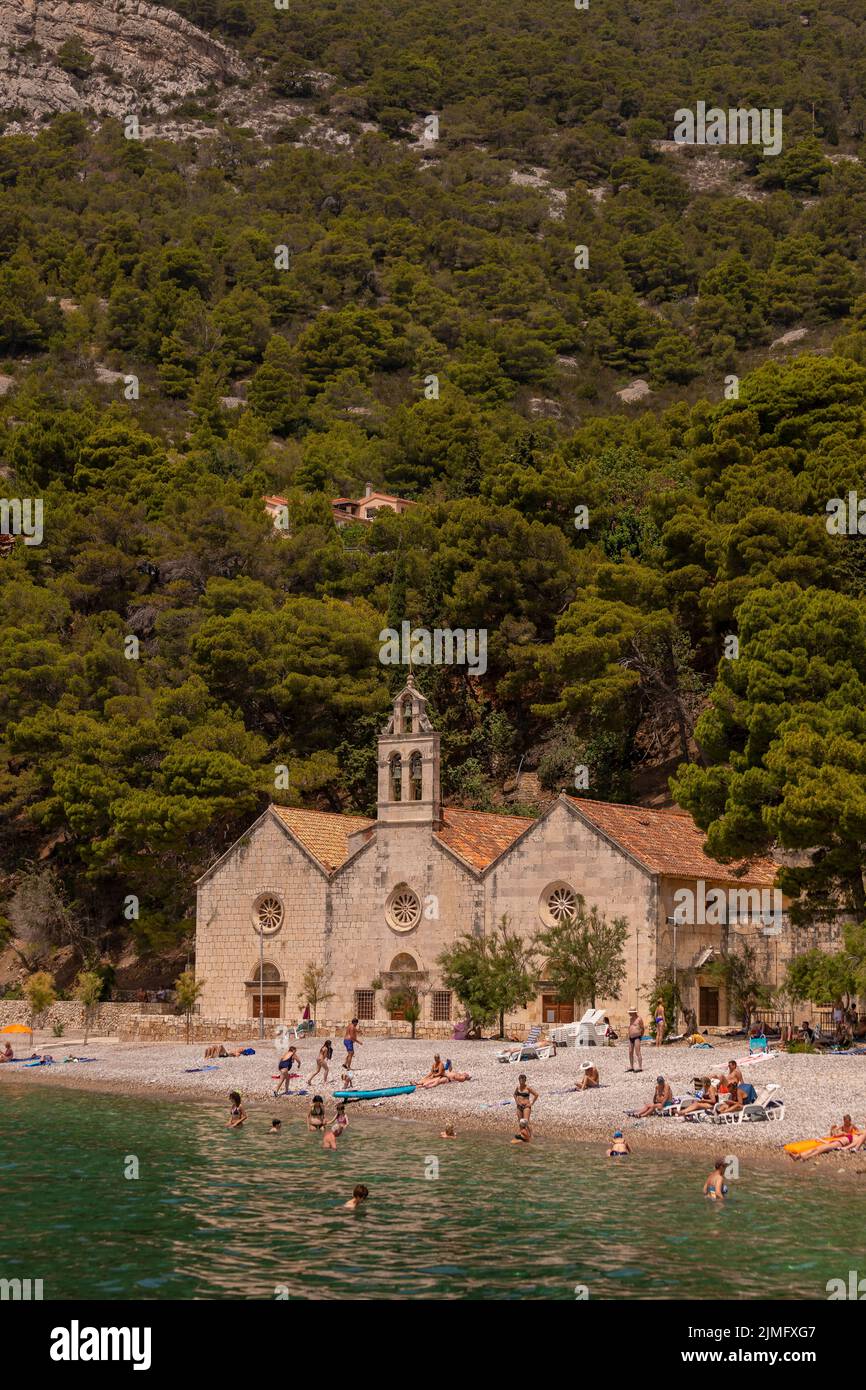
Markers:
257,651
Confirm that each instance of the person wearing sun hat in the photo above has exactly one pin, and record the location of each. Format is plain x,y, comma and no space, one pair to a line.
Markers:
589,1078
635,1033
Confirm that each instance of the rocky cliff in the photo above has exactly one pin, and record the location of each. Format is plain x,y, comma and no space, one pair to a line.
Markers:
138,58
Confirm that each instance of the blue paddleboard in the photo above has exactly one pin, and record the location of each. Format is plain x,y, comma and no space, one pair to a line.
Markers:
374,1095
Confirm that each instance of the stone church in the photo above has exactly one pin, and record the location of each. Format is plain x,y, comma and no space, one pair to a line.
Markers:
376,901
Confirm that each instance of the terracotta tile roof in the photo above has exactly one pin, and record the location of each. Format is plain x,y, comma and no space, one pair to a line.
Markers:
479,837
323,833
669,842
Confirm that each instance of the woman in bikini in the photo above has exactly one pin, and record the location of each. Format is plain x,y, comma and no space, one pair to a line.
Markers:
326,1052
237,1114
661,1023
316,1114
338,1124
524,1098
707,1100
434,1075
846,1137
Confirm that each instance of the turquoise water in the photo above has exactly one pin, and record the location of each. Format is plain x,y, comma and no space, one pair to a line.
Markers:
220,1214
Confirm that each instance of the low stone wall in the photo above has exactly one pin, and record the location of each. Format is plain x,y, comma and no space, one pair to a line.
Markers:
147,1028
107,1019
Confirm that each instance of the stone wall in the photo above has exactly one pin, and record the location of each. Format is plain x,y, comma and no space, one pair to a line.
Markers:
106,1019
147,1028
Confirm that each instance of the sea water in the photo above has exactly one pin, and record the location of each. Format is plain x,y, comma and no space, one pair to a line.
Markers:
112,1197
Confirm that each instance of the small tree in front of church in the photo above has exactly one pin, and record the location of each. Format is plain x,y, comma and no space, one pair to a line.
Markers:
584,956
314,985
489,974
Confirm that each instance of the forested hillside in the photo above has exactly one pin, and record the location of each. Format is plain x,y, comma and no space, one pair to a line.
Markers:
189,323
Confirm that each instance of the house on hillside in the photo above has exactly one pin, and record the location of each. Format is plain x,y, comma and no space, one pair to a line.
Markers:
377,900
344,509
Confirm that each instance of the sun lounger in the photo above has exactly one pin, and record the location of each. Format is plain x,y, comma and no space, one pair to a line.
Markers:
767,1106
525,1052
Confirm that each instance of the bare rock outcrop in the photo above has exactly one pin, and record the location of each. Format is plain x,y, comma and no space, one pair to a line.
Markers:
145,59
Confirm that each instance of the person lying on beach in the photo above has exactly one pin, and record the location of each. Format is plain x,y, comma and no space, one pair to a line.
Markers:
847,1136
443,1080
287,1062
220,1050
589,1080
316,1114
715,1186
619,1147
706,1100
524,1098
276,1127
662,1096
434,1075
8,1055
524,1133
237,1114
448,1132
360,1193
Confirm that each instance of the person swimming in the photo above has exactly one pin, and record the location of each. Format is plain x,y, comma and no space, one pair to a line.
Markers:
276,1127
620,1147
524,1133
448,1132
360,1193
715,1186
237,1114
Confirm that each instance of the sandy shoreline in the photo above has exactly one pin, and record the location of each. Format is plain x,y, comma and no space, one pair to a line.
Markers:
817,1089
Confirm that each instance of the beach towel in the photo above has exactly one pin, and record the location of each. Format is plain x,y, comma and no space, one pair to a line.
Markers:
186,1069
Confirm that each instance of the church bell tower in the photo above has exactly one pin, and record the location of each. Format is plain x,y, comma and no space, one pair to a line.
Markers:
409,764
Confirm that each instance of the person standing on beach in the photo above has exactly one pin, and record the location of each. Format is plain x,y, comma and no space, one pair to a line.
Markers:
284,1067
635,1033
326,1052
661,1023
524,1098
350,1042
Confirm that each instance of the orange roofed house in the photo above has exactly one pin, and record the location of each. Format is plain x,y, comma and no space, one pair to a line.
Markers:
377,900
344,509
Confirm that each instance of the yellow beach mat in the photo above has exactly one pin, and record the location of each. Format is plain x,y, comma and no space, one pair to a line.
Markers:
804,1146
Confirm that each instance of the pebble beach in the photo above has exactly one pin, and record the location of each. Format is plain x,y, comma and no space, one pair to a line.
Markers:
817,1089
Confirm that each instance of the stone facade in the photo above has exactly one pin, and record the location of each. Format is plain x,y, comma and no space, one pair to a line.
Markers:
376,902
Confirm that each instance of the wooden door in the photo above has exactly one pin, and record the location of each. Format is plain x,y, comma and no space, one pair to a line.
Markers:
708,1007
270,1006
554,1011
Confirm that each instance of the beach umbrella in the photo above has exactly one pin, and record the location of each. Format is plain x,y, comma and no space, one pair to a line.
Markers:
17,1028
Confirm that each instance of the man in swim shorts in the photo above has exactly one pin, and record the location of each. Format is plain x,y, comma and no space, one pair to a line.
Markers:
350,1041
635,1033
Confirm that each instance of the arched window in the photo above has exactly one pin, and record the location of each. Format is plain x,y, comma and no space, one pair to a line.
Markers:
402,963
270,974
407,716
415,777
396,776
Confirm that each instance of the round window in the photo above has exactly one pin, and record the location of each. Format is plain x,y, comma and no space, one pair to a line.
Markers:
403,908
268,914
558,904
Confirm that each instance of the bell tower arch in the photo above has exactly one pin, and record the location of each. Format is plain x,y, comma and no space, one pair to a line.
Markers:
409,763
